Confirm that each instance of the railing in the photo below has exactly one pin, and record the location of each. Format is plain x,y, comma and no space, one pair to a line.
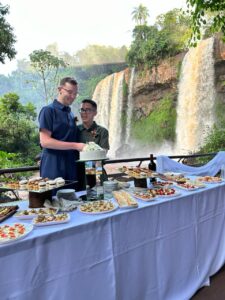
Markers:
109,161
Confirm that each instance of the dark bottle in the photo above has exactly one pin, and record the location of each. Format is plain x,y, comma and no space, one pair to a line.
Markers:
152,165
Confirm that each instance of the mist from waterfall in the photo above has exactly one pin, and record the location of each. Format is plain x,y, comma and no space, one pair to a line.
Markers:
195,107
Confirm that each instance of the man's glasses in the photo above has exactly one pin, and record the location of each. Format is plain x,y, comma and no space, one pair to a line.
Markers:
70,92
87,110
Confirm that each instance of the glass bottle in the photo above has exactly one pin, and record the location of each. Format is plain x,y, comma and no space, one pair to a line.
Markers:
152,164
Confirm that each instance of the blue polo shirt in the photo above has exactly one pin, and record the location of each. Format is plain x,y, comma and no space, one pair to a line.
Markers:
60,121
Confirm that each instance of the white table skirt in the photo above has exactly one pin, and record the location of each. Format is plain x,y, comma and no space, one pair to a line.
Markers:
166,249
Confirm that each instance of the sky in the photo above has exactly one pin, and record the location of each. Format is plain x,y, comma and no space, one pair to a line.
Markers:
74,24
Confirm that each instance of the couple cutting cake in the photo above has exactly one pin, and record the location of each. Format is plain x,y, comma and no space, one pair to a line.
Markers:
60,137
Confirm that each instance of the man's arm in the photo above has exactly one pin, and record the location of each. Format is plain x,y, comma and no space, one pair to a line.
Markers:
47,141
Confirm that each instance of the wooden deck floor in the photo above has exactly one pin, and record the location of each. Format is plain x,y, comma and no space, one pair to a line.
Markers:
216,290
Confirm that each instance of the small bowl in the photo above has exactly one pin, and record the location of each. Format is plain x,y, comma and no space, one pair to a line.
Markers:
68,194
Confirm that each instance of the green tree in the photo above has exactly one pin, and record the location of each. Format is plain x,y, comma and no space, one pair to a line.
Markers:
7,38
149,46
199,11
46,66
17,124
140,15
177,26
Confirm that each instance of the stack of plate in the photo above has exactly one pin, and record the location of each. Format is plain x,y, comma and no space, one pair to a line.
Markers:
68,194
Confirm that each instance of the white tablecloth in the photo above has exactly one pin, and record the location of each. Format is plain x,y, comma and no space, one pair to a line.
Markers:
166,249
166,164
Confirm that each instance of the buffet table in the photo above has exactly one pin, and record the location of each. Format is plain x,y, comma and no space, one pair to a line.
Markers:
165,249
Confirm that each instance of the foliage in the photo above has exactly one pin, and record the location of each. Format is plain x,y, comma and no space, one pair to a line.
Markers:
47,66
96,54
176,24
149,46
140,15
7,38
17,124
158,126
206,12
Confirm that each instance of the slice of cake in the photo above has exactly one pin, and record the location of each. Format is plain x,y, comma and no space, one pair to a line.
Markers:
92,151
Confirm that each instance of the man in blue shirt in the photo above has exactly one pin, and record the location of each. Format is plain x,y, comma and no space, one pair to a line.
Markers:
59,134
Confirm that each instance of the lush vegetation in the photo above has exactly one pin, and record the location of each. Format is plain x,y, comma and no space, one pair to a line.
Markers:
18,132
158,126
7,38
167,37
208,15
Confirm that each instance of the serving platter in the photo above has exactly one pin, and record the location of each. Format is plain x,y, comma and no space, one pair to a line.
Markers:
124,199
145,196
10,233
189,186
166,192
34,212
34,188
97,207
51,220
6,211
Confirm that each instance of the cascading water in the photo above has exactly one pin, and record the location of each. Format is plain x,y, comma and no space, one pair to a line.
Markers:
109,95
195,113
129,106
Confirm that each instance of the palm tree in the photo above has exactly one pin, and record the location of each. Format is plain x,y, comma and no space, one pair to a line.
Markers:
140,15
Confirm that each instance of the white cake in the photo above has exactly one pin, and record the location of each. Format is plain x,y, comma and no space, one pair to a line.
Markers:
92,152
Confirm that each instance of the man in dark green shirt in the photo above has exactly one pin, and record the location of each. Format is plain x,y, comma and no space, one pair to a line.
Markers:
90,131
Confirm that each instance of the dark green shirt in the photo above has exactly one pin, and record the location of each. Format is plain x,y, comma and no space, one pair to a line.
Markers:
95,133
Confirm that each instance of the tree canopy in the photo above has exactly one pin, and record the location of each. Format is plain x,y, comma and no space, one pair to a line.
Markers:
7,38
17,124
47,66
140,15
206,12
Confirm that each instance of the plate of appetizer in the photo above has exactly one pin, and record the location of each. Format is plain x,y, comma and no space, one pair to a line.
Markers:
166,192
6,211
97,207
162,183
187,186
149,195
10,233
51,219
34,212
210,179
124,199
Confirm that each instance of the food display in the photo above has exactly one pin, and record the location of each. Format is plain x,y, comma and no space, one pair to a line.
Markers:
137,172
162,183
124,199
7,211
188,186
92,151
148,195
51,220
210,179
177,177
31,213
166,192
97,207
13,232
37,184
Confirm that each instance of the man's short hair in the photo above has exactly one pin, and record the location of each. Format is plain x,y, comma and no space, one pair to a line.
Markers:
93,103
70,80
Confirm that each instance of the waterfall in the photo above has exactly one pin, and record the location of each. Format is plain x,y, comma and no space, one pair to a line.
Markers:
129,106
195,114
109,95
